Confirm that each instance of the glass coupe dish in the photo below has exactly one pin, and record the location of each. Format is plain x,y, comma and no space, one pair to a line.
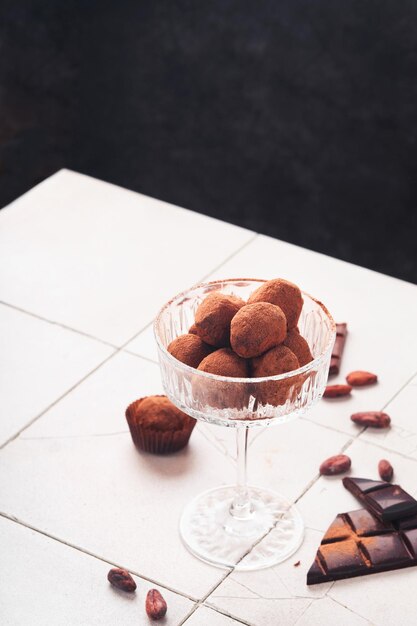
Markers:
242,526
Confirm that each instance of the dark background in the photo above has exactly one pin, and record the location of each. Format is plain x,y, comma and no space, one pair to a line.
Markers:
295,118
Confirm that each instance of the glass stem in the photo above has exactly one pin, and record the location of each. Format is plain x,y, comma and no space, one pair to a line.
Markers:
241,506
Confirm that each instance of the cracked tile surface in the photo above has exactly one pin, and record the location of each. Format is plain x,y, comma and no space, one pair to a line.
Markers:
74,473
209,617
100,493
402,436
40,362
48,582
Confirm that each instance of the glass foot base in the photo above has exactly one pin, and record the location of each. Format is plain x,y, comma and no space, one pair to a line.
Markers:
272,532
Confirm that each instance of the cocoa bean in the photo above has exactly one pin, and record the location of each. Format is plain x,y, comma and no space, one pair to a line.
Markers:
374,419
337,391
360,378
385,469
156,607
121,579
335,465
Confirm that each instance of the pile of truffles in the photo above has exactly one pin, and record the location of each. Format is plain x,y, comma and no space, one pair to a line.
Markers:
238,339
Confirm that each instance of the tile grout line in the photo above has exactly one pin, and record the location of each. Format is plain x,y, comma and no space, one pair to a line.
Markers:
202,600
59,324
346,607
305,611
108,343
397,393
61,397
141,356
239,620
371,443
196,283
14,519
228,258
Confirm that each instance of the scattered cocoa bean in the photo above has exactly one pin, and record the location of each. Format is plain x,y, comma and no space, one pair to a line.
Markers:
335,465
385,469
374,419
360,378
121,579
156,607
337,391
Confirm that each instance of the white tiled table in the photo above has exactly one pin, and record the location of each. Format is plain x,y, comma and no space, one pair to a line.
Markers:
84,267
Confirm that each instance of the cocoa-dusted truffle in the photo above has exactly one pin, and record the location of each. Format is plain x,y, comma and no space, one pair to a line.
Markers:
256,328
189,349
213,317
278,360
297,344
282,293
222,394
224,362
193,330
158,426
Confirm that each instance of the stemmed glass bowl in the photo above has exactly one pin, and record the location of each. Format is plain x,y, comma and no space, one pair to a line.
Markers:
242,526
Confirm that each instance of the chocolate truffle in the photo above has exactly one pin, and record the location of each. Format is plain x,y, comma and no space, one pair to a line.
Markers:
282,293
193,330
224,362
189,349
297,344
278,360
213,317
158,426
256,328
219,394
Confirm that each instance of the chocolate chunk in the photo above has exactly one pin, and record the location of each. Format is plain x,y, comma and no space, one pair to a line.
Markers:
387,502
358,544
339,346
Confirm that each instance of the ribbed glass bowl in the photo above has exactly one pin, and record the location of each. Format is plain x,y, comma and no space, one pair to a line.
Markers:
241,526
244,402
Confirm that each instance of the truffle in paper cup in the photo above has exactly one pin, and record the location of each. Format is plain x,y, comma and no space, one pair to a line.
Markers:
158,426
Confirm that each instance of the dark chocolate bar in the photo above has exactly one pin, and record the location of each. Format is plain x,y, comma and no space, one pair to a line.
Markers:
387,502
358,544
339,345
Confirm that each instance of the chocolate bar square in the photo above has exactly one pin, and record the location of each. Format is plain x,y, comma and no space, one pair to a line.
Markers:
410,539
388,502
364,523
391,503
358,544
385,551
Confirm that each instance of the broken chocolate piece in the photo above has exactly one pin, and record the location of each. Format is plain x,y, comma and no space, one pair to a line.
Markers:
339,345
387,502
358,544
